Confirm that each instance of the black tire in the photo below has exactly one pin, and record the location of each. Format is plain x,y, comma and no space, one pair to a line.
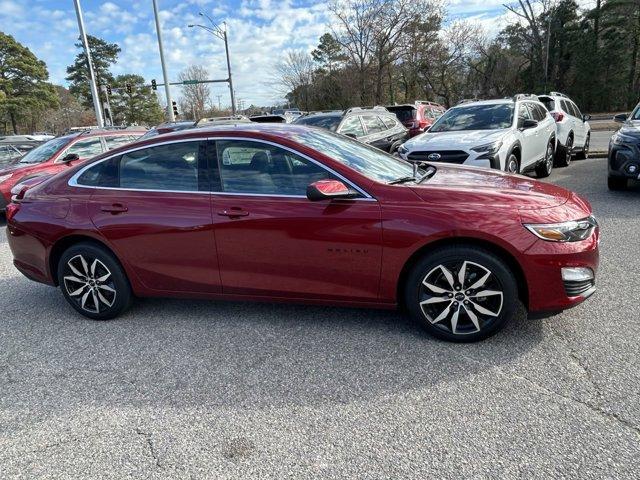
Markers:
544,168
103,289
564,153
584,153
617,183
477,263
512,165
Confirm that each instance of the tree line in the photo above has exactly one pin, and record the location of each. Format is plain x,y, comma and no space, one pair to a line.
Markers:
378,52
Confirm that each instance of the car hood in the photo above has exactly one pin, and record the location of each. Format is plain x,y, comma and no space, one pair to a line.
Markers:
630,128
490,188
451,140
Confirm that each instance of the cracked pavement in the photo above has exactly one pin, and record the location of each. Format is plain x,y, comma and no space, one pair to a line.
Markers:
196,389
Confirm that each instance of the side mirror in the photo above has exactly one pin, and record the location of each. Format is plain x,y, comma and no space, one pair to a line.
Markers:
586,117
328,189
620,118
527,123
71,157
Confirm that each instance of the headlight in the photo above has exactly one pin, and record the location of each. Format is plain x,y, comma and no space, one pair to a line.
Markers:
619,139
402,150
5,177
489,148
572,231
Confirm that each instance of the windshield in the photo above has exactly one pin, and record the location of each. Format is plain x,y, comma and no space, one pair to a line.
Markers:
330,122
475,117
368,161
635,115
45,151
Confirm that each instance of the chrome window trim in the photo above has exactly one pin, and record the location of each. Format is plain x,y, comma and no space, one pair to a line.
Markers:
73,181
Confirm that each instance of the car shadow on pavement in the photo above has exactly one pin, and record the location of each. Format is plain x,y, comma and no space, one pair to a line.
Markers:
186,353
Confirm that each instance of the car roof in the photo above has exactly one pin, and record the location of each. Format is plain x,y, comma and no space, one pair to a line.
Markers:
487,102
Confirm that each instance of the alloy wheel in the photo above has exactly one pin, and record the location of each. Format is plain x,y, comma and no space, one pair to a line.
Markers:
586,147
512,165
549,157
461,298
89,283
569,149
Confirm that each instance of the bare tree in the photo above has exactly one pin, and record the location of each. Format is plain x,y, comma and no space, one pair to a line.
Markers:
295,75
196,99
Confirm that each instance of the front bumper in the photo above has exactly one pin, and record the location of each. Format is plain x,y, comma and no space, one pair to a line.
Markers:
624,160
550,269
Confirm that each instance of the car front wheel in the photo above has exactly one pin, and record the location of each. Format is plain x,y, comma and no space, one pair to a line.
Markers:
544,168
461,294
93,282
513,165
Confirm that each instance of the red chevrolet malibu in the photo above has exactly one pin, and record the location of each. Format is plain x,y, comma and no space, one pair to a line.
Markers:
292,213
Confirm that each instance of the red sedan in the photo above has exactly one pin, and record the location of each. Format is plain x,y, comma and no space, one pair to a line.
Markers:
59,154
292,213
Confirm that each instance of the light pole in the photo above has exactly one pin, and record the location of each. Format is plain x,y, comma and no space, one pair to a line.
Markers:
92,77
222,35
167,90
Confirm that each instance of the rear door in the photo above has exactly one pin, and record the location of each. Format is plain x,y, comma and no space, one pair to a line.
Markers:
580,126
153,206
376,132
273,241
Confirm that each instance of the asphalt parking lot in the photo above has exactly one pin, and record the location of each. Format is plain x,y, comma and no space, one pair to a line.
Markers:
196,389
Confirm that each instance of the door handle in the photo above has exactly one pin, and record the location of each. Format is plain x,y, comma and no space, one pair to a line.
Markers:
114,208
233,212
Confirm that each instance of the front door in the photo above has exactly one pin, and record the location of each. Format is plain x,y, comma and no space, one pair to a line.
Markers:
153,205
273,241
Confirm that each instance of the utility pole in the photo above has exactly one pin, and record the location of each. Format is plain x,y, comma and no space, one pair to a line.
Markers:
222,35
219,106
167,90
108,118
226,48
92,78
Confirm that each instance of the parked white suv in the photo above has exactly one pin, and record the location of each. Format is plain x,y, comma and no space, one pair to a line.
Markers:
574,131
514,135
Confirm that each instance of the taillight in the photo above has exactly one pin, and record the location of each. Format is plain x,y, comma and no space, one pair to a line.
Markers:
557,116
422,124
11,210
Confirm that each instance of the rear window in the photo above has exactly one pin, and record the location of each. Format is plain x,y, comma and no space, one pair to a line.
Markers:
549,103
404,114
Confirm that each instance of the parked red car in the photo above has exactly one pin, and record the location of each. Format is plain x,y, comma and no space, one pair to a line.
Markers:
59,154
282,212
419,116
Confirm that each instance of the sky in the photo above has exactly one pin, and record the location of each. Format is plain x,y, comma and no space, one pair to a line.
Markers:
260,33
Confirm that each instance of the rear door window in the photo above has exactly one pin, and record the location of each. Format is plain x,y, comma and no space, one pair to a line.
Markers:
575,110
86,148
373,124
565,107
115,141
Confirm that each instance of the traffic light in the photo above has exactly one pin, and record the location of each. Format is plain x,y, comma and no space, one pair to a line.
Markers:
109,89
154,85
175,108
129,90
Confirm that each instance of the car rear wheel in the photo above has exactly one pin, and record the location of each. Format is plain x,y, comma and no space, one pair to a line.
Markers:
545,167
564,153
513,164
93,282
461,294
617,183
584,153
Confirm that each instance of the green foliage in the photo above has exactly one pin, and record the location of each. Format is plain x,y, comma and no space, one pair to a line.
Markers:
24,90
138,107
103,56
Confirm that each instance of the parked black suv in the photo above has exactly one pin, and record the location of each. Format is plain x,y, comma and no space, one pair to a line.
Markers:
374,126
624,151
